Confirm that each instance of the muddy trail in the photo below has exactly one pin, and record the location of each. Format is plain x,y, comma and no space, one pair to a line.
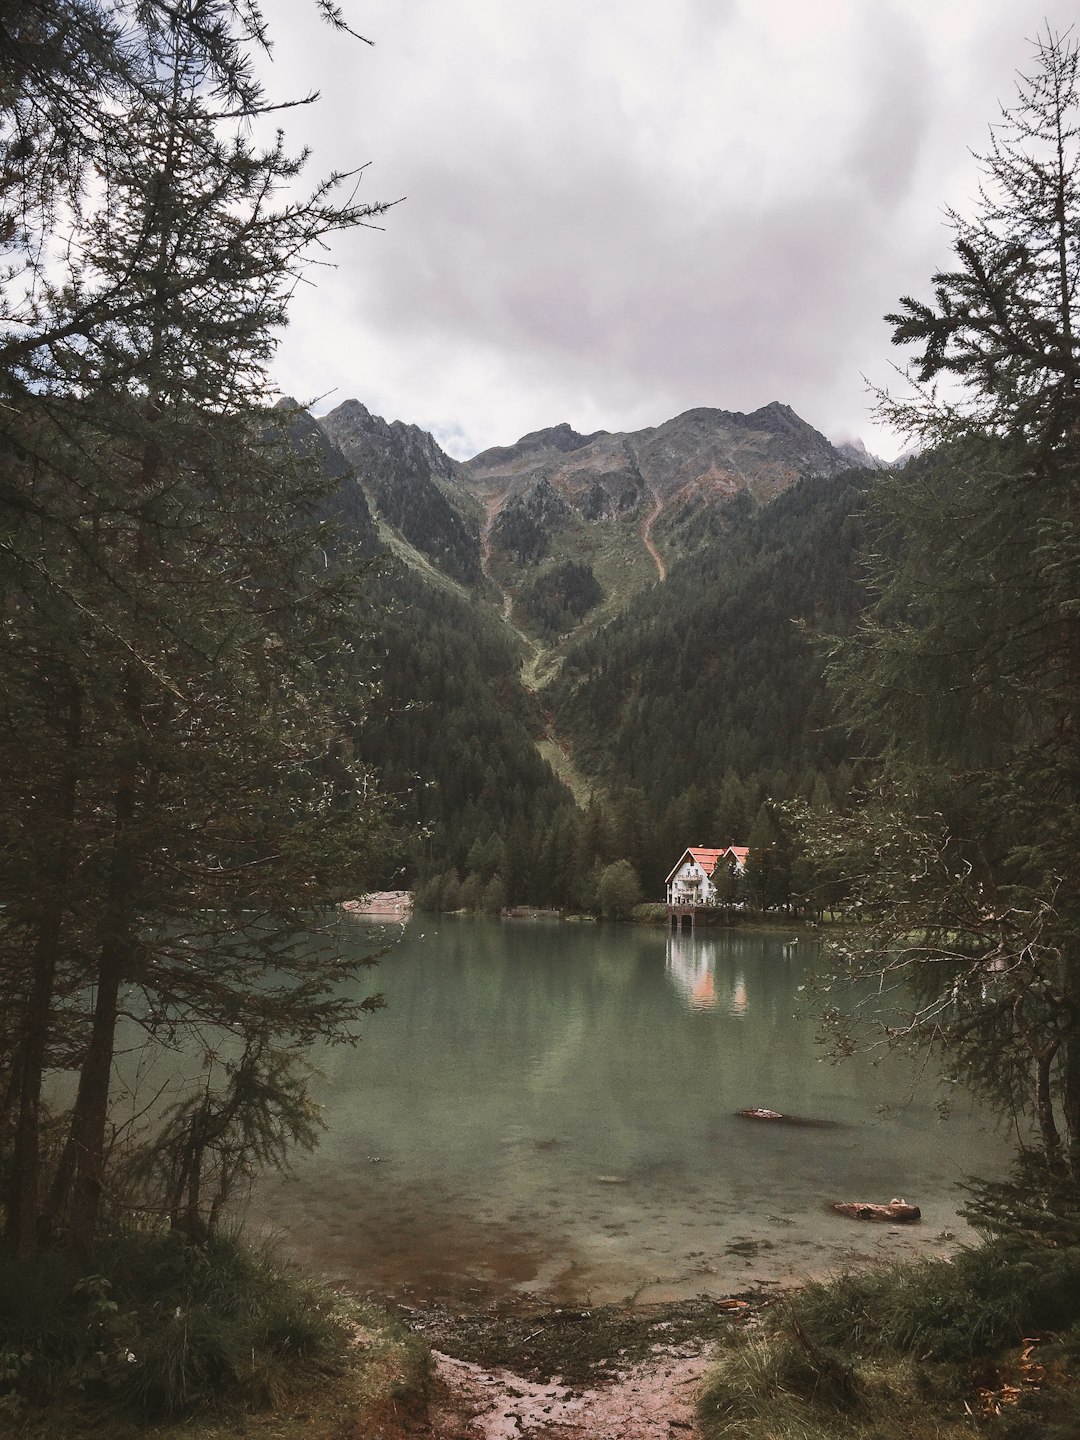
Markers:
605,1373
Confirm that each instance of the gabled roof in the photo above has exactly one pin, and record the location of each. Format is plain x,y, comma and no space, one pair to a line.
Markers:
705,858
708,859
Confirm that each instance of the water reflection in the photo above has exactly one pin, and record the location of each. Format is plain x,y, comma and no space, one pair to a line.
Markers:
691,969
553,1110
739,1004
710,971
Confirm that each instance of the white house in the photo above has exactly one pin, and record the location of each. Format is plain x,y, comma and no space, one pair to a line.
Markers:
691,882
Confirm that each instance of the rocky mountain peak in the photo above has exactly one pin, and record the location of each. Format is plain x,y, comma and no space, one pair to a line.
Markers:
538,445
402,468
860,457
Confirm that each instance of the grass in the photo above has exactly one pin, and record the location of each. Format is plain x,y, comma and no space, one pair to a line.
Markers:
202,1342
985,1344
162,1329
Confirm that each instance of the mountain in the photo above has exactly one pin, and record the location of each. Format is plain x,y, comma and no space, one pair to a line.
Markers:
348,505
413,487
622,507
718,451
544,707
858,456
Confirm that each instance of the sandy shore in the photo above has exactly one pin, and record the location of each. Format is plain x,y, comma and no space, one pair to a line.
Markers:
382,904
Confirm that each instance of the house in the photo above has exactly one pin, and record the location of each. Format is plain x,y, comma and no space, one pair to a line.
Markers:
692,884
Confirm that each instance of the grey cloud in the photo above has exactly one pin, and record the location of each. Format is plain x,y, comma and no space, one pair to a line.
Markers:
562,240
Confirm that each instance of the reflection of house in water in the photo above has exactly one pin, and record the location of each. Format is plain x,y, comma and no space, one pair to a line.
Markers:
691,967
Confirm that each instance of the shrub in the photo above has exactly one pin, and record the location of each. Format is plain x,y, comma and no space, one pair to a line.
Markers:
987,1297
164,1324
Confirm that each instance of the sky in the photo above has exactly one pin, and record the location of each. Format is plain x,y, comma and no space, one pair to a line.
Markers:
613,211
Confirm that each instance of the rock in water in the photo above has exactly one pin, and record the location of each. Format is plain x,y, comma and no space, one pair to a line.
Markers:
897,1212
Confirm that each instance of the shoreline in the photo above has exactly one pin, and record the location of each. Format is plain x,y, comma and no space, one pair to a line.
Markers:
381,904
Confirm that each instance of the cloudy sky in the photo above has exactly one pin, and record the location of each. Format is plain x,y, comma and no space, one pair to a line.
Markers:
618,209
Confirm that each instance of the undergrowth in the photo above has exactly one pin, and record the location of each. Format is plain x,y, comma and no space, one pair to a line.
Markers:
160,1326
985,1343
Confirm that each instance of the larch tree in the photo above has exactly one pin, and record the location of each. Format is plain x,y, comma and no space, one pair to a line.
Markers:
965,673
180,692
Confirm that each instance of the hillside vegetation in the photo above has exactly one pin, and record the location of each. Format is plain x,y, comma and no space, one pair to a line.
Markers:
678,706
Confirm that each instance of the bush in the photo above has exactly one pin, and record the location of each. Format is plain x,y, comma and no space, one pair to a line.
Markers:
986,1298
618,891
916,1349
164,1324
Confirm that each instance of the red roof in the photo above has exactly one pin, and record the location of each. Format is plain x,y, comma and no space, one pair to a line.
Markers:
705,858
708,859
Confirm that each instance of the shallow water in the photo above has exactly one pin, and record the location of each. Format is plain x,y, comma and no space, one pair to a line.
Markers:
549,1109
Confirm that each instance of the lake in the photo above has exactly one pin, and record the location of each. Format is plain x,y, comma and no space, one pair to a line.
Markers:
548,1110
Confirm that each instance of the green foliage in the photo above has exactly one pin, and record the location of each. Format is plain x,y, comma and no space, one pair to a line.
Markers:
905,1350
1036,1204
523,524
618,891
962,674
559,599
452,734
164,1325
703,695
214,1140
985,1299
179,692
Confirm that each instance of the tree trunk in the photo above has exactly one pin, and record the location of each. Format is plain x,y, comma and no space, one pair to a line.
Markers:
1070,1089
90,1118
1044,1106
24,1199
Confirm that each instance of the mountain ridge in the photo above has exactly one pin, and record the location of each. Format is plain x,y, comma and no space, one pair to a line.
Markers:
564,527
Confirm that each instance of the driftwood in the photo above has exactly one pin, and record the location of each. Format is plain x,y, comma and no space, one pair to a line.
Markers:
897,1212
777,1118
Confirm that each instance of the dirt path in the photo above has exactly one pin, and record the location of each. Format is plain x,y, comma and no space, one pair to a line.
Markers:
614,1372
650,1401
646,534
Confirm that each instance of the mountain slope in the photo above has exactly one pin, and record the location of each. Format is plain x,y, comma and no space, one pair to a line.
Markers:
705,695
624,507
678,706
412,485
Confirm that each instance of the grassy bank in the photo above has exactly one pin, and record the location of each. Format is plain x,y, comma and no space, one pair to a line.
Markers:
159,1331
987,1343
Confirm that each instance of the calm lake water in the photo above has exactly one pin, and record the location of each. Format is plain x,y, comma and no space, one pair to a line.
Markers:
548,1110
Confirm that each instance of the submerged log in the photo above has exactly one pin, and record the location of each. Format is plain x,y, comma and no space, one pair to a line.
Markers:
897,1212
779,1118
